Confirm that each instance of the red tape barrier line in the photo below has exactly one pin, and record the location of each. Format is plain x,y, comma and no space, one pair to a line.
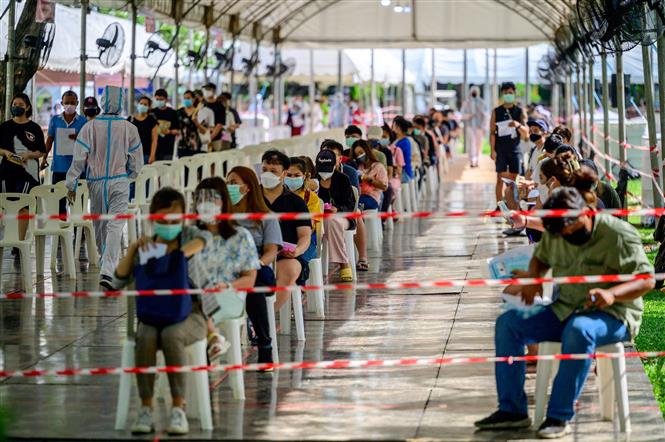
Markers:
323,365
625,145
366,286
554,213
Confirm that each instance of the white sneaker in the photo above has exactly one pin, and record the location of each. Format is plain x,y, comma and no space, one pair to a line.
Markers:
143,423
179,424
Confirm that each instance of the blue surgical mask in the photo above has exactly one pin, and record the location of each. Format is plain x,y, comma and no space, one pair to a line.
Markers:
187,102
350,141
384,141
141,108
168,232
416,132
160,103
294,183
508,98
234,193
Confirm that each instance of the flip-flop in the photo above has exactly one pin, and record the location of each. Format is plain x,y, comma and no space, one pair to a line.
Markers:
217,346
346,274
362,266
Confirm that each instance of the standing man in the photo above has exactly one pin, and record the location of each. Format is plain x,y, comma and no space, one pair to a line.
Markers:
110,148
61,136
169,126
218,110
232,117
507,126
474,115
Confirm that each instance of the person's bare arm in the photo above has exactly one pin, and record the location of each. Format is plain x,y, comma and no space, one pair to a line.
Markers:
193,247
246,280
628,291
153,144
304,238
49,146
269,254
216,131
493,136
537,268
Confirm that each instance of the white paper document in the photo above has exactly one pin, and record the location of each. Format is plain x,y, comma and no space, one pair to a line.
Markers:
63,144
502,266
504,130
154,250
516,301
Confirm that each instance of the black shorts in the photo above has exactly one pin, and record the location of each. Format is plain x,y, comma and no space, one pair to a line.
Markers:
17,184
509,162
304,269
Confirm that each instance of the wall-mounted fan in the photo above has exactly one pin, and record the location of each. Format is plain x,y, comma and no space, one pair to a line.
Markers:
157,50
110,45
38,47
250,63
285,68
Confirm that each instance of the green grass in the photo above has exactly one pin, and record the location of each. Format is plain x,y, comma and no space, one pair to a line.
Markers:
652,332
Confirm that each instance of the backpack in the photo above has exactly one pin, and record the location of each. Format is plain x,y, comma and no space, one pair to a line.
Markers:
167,272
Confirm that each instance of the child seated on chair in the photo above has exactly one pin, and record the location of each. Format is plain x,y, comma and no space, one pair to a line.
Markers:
582,318
172,339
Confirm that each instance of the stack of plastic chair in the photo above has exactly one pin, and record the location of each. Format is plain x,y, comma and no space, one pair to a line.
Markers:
48,199
168,173
10,204
77,210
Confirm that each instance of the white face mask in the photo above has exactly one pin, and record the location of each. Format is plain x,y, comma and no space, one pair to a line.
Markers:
269,180
325,175
208,94
69,109
544,192
208,211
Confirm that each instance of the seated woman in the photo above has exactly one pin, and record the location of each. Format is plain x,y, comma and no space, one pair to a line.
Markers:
230,259
297,176
388,139
172,339
374,178
336,192
246,196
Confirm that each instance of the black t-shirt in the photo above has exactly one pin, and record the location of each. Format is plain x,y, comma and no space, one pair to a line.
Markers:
290,202
432,148
388,154
190,139
145,131
506,143
18,138
167,118
220,115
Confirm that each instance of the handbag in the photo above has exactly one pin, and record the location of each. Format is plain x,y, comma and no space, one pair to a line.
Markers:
166,272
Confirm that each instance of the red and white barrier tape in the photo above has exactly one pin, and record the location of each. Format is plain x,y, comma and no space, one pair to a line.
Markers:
554,213
324,365
590,279
624,144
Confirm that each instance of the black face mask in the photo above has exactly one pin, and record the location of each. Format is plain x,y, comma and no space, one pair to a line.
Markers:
578,237
90,112
17,111
535,137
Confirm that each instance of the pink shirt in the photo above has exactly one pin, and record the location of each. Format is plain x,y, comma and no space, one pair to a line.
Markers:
377,173
398,156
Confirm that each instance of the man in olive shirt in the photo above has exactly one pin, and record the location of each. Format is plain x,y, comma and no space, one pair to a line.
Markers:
583,317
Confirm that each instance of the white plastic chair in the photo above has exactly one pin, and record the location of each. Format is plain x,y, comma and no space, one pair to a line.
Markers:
146,184
272,325
79,208
10,204
48,199
198,388
611,381
374,230
316,298
295,301
168,174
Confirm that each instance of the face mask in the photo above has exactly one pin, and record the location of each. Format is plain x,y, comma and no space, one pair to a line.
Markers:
234,193
543,190
294,183
361,158
325,175
160,103
509,98
142,108
168,232
384,141
187,102
578,237
207,94
269,180
90,111
416,132
350,141
535,137
18,111
207,212
69,109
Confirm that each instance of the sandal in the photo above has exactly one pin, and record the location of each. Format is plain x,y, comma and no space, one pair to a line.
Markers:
346,274
217,346
362,266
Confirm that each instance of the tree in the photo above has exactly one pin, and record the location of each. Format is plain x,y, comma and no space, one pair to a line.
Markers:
27,60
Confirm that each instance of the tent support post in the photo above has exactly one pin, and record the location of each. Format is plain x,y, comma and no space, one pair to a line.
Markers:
486,90
621,109
312,90
372,88
403,81
527,84
433,83
661,99
279,87
495,92
578,95
340,86
176,65
651,122
132,62
556,114
569,101
584,104
84,16
592,104
465,93
606,108
11,48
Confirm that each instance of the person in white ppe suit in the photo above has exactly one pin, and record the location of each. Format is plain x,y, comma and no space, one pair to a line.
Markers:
109,147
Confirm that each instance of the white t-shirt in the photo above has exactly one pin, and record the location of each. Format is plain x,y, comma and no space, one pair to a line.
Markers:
206,117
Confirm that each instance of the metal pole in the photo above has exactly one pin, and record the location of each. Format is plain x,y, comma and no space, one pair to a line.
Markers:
404,81
606,108
556,110
465,89
621,109
132,63
568,98
651,121
592,104
280,89
11,55
176,78
661,99
84,13
495,92
578,94
583,98
433,83
312,90
527,84
190,46
486,91
275,91
205,56
372,87
340,85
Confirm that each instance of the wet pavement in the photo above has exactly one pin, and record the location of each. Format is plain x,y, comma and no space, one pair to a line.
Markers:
429,403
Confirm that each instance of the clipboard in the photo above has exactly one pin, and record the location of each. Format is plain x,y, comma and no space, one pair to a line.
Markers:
63,144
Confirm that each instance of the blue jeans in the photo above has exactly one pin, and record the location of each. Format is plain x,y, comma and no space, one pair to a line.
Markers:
579,333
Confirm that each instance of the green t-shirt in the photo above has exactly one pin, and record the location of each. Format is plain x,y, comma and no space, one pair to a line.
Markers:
614,248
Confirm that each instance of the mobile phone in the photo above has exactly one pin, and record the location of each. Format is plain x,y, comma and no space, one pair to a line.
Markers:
505,212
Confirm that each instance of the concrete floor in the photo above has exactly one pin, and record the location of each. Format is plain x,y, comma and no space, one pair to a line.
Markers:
427,403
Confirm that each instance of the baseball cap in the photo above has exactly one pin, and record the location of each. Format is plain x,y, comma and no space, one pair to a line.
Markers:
374,132
537,122
325,161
